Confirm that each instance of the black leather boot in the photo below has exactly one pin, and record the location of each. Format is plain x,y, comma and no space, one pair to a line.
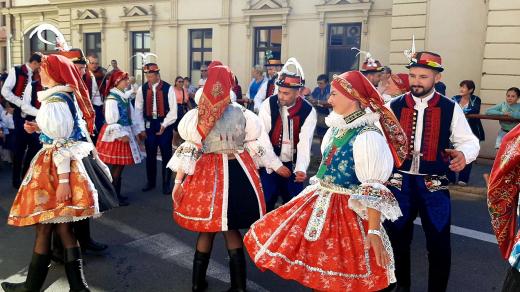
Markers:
200,266
116,182
237,270
74,270
82,233
56,249
36,275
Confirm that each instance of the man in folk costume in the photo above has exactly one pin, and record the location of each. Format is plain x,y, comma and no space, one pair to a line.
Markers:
95,78
503,193
273,66
57,190
155,114
20,91
217,186
433,124
117,144
371,68
289,121
330,236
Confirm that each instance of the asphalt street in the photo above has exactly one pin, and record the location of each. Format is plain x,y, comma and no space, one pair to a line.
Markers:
149,252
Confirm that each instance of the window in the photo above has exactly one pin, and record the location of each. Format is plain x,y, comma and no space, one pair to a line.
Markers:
267,39
93,45
140,44
341,39
36,45
201,43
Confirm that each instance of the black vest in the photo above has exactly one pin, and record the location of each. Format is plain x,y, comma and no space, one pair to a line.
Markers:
436,131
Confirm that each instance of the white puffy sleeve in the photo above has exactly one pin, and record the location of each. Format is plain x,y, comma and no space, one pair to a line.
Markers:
55,120
373,163
186,156
326,140
113,130
252,144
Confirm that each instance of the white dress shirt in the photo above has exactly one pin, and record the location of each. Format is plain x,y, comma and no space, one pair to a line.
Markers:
27,107
461,136
170,117
286,155
96,94
9,84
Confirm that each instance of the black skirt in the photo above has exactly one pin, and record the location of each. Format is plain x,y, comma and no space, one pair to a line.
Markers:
243,205
107,196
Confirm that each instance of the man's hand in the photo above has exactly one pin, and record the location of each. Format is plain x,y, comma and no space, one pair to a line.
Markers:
300,176
141,136
283,171
161,131
63,193
31,127
458,161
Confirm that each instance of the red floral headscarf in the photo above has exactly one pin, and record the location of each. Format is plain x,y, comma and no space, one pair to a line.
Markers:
356,86
215,98
63,71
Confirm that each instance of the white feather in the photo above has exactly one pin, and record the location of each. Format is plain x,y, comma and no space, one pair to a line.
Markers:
61,43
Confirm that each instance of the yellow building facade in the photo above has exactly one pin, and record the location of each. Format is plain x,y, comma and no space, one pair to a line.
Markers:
478,39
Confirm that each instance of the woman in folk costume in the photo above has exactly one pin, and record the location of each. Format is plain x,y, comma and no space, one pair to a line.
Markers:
217,187
117,141
330,236
57,189
503,196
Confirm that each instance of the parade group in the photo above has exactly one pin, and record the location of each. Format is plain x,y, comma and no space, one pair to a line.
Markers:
350,229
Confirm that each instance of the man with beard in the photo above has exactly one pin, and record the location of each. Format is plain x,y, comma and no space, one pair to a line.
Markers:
433,123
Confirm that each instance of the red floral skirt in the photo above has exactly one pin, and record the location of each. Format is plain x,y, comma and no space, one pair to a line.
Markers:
317,240
202,204
116,152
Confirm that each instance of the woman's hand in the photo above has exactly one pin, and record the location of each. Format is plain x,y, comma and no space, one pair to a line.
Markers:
124,139
176,189
374,242
63,192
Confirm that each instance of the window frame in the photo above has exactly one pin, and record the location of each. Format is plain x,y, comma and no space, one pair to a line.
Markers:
202,49
346,46
96,51
134,51
269,47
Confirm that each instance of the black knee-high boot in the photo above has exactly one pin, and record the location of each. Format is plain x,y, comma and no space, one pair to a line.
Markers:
74,270
36,275
116,182
237,270
200,267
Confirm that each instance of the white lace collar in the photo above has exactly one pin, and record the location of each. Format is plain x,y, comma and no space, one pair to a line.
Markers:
44,94
335,120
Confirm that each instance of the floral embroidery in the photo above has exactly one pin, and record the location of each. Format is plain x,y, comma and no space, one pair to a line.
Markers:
319,213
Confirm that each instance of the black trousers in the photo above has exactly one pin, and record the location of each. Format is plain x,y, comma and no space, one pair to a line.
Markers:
25,148
164,142
512,281
434,208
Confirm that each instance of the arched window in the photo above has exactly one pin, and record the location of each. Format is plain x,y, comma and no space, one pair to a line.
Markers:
36,45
